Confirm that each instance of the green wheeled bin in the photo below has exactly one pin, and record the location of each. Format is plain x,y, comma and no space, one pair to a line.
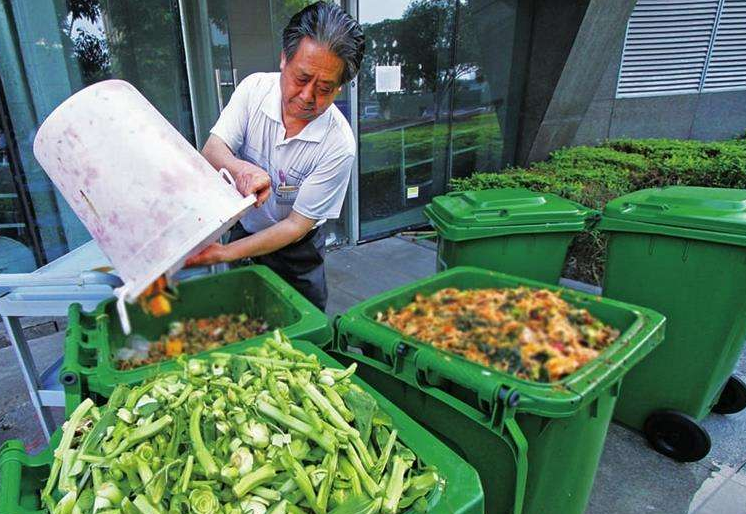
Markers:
514,231
682,252
92,339
22,476
535,445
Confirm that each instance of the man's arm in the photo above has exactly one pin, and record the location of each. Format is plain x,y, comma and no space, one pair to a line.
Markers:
250,179
279,235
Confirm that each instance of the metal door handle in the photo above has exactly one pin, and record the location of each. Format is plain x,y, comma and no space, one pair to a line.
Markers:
219,87
235,78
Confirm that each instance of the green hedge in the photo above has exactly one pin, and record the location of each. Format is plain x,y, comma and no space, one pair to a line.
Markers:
594,175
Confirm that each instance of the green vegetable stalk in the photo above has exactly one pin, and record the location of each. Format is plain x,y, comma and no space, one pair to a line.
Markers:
349,471
395,486
187,474
385,454
302,479
326,408
268,432
144,506
370,486
203,455
256,478
419,486
141,433
330,465
63,453
324,440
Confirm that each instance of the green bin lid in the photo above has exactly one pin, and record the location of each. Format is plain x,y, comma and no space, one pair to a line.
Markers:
493,212
713,214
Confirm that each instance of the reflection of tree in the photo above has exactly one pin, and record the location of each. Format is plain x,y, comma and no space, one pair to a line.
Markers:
92,54
80,9
134,40
433,43
88,50
282,11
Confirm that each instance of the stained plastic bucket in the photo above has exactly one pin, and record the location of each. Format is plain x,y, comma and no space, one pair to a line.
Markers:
147,197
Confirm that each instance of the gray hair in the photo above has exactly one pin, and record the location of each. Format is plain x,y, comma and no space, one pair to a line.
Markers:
327,24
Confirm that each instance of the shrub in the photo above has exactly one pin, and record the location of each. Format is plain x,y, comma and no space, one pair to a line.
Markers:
594,175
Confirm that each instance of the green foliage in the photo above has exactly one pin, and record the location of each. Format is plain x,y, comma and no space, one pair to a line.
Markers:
594,175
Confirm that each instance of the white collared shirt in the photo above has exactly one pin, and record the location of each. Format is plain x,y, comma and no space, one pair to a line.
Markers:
309,171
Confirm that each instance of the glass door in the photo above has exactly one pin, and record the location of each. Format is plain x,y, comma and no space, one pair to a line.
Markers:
431,102
20,248
226,41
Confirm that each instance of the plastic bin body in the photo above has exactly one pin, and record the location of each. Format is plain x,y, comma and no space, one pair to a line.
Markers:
145,194
535,453
93,338
514,231
536,256
696,277
22,476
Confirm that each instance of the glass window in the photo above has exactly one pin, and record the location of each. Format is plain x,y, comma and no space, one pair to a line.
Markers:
19,247
449,117
49,49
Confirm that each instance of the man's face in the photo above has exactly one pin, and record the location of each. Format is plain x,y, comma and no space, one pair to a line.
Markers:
310,81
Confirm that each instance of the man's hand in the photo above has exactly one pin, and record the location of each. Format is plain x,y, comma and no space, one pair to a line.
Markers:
266,241
213,254
251,179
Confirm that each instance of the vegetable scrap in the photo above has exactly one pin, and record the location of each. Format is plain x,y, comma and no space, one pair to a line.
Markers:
269,431
188,337
156,299
534,334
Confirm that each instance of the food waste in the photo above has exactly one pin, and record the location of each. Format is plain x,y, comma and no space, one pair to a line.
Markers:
531,333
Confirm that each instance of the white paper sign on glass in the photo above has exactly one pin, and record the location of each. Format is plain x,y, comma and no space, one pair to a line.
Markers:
388,79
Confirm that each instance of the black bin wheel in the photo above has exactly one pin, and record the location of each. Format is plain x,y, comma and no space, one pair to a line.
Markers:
677,436
732,398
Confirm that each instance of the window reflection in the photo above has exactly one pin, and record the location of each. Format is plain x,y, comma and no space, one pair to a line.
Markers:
57,48
17,247
447,119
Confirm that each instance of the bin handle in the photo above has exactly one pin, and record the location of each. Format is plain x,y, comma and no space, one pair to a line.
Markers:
13,458
124,319
73,327
461,373
521,463
10,470
228,177
520,443
519,446
645,205
368,361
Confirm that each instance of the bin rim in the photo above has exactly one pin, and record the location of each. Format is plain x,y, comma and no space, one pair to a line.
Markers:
554,399
609,223
104,376
704,213
465,215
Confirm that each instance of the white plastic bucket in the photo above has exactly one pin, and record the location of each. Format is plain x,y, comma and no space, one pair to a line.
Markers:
144,193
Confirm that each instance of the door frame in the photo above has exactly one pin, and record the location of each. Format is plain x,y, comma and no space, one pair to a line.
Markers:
353,190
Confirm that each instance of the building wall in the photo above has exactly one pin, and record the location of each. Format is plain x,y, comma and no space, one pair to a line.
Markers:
706,116
554,27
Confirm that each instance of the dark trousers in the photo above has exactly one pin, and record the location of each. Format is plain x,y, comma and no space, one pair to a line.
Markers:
300,264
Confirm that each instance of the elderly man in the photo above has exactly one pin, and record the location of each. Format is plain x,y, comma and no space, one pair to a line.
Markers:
282,138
